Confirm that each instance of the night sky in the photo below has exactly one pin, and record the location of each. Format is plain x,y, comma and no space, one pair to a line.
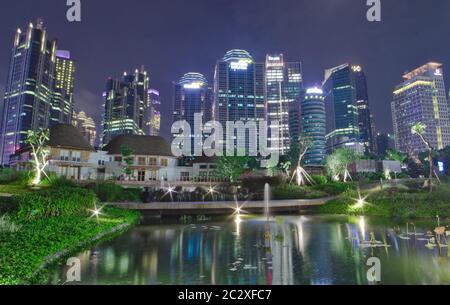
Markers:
172,37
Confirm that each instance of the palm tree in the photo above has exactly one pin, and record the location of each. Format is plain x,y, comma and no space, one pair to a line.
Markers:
419,130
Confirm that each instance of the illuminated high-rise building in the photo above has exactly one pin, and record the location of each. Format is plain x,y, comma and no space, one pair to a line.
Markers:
63,95
421,98
239,93
365,119
86,125
29,87
283,87
314,126
154,113
342,109
193,96
126,101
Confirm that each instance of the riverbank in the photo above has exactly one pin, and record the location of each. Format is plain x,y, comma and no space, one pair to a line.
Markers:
408,201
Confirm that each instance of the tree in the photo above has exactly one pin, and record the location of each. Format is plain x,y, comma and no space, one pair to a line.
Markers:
38,141
301,175
394,155
231,167
127,157
338,162
419,130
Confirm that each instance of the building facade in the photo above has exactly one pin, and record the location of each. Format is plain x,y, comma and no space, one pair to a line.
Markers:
63,93
126,102
283,86
154,113
29,88
365,119
314,126
421,97
341,109
239,94
87,127
193,96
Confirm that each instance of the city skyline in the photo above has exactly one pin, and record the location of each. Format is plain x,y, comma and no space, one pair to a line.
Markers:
376,47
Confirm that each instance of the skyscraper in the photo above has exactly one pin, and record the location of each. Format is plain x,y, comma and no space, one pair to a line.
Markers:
365,120
314,126
283,87
63,95
86,125
341,108
421,98
126,101
192,96
29,87
154,109
239,91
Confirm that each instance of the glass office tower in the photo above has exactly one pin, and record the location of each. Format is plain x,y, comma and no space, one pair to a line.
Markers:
193,96
342,110
421,98
29,87
283,87
126,101
314,126
239,93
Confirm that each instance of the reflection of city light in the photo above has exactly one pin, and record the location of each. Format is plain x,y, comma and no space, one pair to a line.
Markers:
238,222
362,226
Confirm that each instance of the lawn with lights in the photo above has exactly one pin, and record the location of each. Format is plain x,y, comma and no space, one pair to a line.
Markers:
407,200
41,226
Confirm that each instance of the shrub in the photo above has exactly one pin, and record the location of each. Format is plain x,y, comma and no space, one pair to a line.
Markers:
320,179
54,202
334,188
10,175
8,205
56,181
111,192
289,191
255,183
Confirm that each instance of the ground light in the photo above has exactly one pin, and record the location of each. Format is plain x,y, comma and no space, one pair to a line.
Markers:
360,201
96,212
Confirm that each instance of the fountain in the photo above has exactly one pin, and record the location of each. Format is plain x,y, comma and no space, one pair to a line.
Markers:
267,201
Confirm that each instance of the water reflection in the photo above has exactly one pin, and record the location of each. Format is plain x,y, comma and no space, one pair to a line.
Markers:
249,250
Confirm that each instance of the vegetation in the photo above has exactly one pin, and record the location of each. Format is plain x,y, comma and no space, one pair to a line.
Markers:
127,157
35,225
404,201
338,163
231,167
292,191
37,140
419,130
111,192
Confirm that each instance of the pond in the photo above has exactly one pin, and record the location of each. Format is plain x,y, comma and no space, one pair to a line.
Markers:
300,250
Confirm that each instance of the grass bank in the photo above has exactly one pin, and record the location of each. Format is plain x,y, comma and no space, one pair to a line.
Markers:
38,227
402,201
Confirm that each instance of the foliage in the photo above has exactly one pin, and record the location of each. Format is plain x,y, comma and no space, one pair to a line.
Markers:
338,162
8,205
319,179
419,130
38,140
290,191
54,202
24,252
111,192
231,167
127,157
255,183
334,188
394,155
396,201
13,176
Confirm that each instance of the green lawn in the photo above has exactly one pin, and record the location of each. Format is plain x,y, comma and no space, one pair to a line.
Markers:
13,189
404,201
